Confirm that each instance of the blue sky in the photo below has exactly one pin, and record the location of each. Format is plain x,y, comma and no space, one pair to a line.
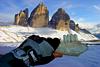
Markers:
81,11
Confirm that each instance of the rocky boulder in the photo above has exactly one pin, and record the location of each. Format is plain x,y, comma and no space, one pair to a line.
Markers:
39,16
60,20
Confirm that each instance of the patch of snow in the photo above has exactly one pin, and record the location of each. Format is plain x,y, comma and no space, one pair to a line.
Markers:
18,33
90,58
87,36
7,47
11,35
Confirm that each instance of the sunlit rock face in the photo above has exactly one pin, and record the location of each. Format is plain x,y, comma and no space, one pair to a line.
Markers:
39,16
60,20
21,18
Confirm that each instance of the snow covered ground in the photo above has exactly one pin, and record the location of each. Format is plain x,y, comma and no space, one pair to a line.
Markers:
19,33
90,58
7,47
12,36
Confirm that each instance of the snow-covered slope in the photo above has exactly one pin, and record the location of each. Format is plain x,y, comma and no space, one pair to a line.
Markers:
7,47
18,33
88,36
13,34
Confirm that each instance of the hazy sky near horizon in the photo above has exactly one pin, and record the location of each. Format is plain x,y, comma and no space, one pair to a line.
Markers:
83,11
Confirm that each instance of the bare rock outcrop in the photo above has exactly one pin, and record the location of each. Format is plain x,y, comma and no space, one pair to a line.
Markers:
39,16
72,25
21,18
60,20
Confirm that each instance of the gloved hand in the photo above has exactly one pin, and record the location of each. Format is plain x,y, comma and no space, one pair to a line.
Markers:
36,50
71,46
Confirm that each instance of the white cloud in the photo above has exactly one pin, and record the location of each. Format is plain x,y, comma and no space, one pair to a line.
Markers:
81,19
96,7
86,25
69,4
78,19
83,22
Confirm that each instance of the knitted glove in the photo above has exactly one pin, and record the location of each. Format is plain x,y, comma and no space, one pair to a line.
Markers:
71,46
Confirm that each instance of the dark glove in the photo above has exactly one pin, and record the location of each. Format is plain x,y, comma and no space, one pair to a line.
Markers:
36,50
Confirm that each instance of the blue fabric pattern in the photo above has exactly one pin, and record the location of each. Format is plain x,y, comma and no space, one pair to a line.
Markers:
46,49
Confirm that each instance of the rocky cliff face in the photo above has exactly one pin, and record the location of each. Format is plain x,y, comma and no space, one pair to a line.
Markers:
21,18
39,16
60,20
17,18
77,29
72,25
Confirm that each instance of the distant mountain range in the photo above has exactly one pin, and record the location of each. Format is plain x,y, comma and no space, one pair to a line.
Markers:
94,29
60,20
39,18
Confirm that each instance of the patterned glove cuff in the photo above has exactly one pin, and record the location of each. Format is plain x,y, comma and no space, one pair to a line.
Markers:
28,58
19,54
